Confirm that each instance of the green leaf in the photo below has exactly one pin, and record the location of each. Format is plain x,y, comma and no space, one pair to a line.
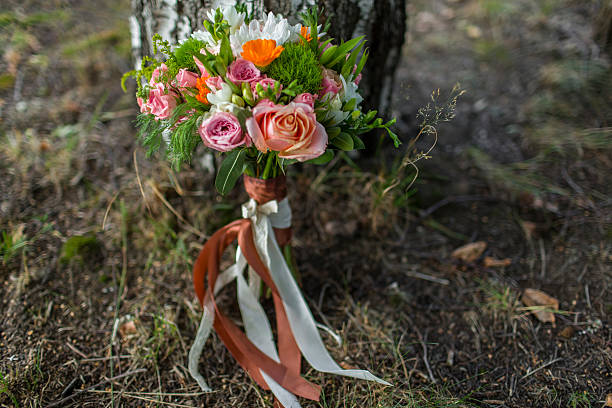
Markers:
344,141
343,49
358,142
394,137
350,105
362,62
323,159
369,116
333,132
226,51
347,68
328,54
229,171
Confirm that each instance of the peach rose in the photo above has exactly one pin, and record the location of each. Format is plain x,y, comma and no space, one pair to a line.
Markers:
292,130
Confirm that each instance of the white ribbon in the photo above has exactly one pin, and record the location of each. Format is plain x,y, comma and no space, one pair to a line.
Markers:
264,218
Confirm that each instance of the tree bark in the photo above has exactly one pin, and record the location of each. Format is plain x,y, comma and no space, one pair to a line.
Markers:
383,22
602,28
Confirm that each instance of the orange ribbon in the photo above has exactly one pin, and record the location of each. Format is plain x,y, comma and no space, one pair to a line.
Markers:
205,273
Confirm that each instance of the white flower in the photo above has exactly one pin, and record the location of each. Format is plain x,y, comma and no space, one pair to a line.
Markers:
349,91
234,18
226,107
203,36
272,27
223,95
211,45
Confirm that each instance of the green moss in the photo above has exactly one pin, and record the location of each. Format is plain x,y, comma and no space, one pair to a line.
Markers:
79,247
299,63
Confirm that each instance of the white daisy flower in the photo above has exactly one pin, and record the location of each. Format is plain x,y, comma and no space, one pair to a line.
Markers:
234,18
272,27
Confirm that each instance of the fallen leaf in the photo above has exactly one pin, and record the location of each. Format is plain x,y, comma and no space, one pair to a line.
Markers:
347,366
609,400
127,329
567,332
529,229
490,262
539,299
470,252
44,146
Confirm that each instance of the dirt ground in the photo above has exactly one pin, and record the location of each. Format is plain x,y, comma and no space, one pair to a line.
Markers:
97,240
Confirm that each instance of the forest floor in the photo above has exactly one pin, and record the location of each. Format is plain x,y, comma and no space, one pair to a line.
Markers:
97,242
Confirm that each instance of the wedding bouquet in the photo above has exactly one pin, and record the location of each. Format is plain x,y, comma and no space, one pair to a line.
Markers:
265,94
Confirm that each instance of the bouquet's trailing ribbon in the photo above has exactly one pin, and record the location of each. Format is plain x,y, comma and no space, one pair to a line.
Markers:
258,250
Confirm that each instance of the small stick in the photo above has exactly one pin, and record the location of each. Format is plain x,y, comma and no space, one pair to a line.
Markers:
88,360
588,297
68,398
543,256
419,275
530,373
76,350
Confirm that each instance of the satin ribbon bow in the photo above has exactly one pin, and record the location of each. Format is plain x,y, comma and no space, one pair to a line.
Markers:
278,371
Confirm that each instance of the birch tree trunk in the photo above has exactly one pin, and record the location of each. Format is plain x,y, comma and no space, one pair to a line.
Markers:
382,21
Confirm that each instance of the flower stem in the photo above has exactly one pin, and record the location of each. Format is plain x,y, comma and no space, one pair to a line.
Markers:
268,168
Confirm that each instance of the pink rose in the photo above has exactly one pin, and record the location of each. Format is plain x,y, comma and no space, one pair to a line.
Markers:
157,73
161,104
186,79
144,107
307,98
331,82
215,83
242,70
292,130
265,83
222,132
357,79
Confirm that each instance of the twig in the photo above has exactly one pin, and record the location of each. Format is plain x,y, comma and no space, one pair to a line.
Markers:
588,296
419,275
422,341
415,274
68,398
167,394
530,373
188,226
108,209
144,198
543,256
76,350
89,360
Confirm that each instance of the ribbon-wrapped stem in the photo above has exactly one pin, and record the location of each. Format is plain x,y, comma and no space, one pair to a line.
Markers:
265,227
263,191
